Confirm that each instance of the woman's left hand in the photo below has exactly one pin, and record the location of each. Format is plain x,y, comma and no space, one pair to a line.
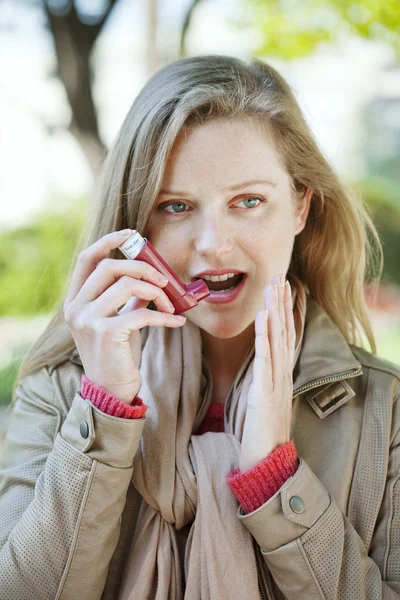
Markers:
269,405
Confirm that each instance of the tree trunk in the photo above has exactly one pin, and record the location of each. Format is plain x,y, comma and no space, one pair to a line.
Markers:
74,41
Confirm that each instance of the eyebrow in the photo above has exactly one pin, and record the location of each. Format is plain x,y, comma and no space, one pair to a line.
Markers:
230,188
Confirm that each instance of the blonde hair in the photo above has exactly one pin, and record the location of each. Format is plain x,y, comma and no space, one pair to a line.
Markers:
332,256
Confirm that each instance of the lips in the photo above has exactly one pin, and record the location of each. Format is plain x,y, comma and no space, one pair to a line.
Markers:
225,297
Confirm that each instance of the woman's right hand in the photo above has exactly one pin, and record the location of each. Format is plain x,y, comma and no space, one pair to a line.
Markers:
108,340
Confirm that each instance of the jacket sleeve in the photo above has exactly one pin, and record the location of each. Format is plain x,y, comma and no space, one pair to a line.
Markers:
63,484
313,551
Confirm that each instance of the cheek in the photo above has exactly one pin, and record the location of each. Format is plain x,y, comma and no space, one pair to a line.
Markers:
261,243
171,244
275,236
270,249
172,250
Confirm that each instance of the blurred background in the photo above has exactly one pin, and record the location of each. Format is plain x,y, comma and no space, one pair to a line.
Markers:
69,72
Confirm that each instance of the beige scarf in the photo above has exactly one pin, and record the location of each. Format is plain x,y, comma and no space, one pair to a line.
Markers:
188,542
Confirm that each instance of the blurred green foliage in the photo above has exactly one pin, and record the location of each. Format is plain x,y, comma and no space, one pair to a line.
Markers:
8,374
35,259
381,141
383,203
293,29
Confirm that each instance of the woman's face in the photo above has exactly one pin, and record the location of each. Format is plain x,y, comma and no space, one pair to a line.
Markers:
206,217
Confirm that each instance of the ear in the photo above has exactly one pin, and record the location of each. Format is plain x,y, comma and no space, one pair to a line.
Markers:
303,208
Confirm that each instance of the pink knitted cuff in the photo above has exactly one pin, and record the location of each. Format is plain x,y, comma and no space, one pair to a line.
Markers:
108,403
254,487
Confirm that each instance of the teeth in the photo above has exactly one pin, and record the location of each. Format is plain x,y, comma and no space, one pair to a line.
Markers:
227,290
219,277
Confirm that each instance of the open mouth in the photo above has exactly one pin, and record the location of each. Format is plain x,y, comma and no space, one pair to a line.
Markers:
224,286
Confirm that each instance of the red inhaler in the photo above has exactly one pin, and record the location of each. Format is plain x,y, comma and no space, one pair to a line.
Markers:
183,297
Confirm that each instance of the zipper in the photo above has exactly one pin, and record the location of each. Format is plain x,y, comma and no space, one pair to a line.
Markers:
263,597
339,377
264,582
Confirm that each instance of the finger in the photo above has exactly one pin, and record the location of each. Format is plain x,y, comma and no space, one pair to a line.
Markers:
262,373
110,270
145,317
126,287
274,333
88,259
283,339
290,325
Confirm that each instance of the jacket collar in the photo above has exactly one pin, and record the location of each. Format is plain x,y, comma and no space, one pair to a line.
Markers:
324,363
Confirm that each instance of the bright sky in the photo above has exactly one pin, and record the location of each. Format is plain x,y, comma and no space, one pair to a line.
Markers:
39,167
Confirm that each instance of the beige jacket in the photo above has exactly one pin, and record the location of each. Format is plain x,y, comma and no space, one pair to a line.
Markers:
68,507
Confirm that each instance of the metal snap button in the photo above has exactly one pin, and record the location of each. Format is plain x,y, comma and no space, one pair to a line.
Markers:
84,429
296,504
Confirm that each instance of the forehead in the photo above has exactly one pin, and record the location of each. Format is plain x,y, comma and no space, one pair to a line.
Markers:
223,150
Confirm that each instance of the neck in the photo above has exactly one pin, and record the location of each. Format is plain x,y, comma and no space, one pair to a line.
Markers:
226,355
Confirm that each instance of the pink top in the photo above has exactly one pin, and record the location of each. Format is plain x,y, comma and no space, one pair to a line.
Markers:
252,488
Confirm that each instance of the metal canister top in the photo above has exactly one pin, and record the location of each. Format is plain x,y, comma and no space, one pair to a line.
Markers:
133,245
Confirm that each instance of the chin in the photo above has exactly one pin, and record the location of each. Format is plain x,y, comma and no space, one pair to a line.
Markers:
221,327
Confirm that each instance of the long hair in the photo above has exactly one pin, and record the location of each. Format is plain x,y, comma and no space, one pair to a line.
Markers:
333,256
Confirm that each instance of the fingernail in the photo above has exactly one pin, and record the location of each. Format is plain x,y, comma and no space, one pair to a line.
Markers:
125,232
180,317
162,279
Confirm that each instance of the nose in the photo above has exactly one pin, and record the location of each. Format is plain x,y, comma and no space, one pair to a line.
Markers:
213,237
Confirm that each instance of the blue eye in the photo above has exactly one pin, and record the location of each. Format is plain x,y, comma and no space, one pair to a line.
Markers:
180,210
251,198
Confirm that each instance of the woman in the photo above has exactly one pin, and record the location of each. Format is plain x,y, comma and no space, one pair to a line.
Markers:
260,458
